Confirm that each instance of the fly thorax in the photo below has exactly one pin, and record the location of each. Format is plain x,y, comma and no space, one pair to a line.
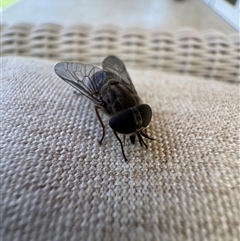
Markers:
137,117
118,96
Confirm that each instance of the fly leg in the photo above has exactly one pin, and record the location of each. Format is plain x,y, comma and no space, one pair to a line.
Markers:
141,141
102,125
121,145
132,139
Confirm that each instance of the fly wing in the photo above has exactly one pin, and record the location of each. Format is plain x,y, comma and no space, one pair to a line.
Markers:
115,66
85,78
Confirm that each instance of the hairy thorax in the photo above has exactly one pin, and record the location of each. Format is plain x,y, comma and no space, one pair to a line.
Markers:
118,96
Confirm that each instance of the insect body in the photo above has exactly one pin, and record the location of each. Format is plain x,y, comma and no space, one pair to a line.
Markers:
111,89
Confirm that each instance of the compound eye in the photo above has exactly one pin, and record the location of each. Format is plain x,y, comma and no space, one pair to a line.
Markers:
146,114
123,122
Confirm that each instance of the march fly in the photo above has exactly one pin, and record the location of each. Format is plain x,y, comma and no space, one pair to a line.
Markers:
111,90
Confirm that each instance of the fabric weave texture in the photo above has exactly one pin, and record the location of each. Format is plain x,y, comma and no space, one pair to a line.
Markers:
209,54
58,183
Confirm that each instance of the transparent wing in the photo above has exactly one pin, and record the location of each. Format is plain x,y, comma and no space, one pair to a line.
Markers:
115,66
87,79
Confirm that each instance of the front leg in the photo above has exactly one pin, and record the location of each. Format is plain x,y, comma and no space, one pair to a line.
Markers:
102,125
115,133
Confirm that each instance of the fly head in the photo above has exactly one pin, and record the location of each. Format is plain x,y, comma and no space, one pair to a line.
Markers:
132,121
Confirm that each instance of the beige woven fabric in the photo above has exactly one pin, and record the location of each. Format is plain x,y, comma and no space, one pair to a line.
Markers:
59,184
208,54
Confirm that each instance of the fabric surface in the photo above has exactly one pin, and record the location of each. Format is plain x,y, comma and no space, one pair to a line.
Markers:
58,183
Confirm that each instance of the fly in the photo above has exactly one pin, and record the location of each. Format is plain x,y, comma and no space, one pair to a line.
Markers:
110,89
